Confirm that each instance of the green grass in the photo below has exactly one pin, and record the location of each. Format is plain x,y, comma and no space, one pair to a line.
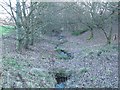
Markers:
4,30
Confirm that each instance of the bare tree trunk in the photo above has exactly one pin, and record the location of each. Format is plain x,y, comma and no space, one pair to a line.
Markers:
108,38
26,46
32,28
32,37
91,34
18,26
26,26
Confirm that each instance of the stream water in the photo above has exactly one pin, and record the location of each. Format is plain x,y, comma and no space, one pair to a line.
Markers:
61,85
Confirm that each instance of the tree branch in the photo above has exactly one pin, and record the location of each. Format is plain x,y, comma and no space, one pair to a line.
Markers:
6,10
12,11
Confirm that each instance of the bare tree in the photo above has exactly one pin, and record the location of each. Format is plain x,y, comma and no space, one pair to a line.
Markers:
22,21
98,15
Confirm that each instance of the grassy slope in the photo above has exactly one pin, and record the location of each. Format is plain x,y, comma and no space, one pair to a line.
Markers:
6,29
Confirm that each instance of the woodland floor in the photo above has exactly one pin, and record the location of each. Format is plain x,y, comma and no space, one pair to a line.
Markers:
94,65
